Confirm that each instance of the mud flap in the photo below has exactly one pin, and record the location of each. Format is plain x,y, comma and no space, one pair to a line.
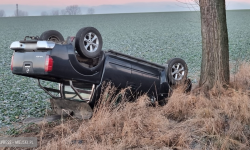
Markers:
78,109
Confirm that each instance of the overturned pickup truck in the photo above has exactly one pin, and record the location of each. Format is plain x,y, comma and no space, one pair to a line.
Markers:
80,67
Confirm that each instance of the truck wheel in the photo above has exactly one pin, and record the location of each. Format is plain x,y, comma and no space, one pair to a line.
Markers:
177,71
88,42
52,35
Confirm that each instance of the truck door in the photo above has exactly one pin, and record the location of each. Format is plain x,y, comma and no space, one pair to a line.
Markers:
118,71
145,78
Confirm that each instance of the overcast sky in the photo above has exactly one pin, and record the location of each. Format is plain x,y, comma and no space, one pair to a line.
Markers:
34,7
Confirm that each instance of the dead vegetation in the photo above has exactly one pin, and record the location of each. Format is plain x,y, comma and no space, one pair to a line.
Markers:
187,121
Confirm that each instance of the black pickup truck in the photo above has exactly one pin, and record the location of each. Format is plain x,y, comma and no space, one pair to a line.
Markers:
80,67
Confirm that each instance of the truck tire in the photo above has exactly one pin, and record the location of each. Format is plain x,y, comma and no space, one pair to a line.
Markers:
52,35
88,42
177,71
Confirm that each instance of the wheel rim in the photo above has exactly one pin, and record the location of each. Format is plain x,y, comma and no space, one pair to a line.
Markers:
178,71
54,39
91,42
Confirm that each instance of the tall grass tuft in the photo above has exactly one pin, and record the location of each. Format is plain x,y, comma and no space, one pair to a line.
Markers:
187,121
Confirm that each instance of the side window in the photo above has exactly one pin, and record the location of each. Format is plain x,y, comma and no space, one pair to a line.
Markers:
70,94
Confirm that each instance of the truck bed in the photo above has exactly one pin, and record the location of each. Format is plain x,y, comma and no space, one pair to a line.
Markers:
31,63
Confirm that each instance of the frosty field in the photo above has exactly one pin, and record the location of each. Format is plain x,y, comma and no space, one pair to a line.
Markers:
156,37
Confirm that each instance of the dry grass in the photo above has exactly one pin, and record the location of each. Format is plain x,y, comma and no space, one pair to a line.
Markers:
185,122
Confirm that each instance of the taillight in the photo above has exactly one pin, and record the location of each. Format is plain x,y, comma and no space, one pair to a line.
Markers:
48,64
11,66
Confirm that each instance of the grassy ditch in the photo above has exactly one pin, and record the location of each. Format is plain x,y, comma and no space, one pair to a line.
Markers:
187,121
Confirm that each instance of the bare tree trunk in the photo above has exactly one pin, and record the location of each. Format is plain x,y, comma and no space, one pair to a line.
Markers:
215,51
